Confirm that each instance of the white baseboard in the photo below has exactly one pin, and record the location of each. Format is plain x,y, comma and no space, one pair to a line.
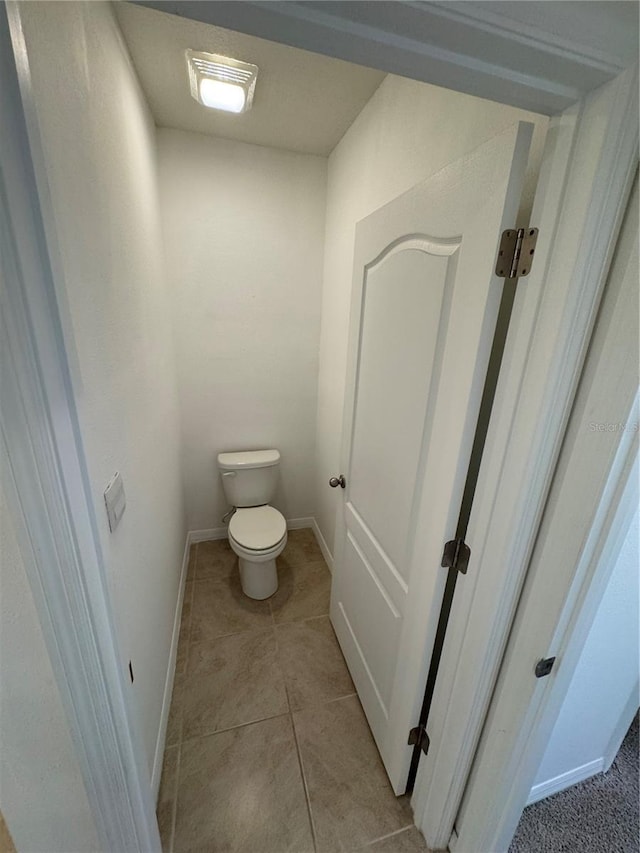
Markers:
206,535
326,553
299,523
565,780
292,524
221,532
171,671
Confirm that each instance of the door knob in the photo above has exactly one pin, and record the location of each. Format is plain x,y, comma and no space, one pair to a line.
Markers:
334,482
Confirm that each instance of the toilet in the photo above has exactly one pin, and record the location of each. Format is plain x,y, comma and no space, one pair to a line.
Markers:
257,532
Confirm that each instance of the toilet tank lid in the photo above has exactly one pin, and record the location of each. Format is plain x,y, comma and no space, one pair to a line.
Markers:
248,459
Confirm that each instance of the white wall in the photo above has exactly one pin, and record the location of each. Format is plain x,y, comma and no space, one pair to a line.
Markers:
405,133
243,233
42,796
99,146
603,694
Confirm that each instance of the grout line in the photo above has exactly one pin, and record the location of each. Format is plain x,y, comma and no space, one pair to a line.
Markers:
389,835
309,564
305,785
329,701
279,666
209,641
290,710
181,740
214,579
233,728
303,619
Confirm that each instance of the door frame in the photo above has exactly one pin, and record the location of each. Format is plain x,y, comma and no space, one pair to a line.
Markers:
44,474
575,553
579,204
47,474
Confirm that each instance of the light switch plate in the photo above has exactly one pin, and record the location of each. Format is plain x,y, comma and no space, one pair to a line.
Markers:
115,500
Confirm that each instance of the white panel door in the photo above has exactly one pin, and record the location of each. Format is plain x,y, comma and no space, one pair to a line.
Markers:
424,307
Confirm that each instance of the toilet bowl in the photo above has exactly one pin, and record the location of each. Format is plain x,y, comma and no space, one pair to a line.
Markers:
258,535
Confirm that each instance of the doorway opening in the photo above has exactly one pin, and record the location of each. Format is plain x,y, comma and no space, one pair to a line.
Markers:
169,341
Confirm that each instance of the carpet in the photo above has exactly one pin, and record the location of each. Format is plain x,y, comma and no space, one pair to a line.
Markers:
600,815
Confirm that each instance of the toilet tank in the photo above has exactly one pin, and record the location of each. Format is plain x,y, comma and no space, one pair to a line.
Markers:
249,477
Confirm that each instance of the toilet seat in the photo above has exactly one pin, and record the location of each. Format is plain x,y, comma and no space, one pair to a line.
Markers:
257,529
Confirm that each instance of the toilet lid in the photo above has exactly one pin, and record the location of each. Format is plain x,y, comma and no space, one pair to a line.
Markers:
258,527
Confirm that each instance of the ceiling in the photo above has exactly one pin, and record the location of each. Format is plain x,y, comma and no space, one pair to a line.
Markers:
303,101
539,55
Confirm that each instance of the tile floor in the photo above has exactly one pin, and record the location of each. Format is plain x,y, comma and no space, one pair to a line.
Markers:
268,750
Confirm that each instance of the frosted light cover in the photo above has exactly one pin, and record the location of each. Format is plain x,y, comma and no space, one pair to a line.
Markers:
222,96
221,83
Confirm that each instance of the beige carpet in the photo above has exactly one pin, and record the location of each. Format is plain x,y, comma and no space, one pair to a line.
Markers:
600,815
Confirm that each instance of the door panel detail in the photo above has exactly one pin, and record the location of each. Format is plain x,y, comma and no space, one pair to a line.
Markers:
401,311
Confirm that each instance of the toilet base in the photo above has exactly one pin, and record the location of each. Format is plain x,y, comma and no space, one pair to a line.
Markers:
258,580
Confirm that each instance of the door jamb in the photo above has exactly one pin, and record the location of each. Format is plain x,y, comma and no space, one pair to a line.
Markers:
46,481
579,206
531,736
575,551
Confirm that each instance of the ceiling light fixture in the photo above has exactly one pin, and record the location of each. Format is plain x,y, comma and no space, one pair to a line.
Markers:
220,82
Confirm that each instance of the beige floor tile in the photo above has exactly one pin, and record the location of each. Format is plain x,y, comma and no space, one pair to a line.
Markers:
220,608
240,791
215,560
302,547
351,800
232,681
312,663
408,841
167,797
6,841
303,591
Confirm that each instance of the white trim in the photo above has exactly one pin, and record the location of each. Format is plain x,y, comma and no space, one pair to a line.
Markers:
158,757
590,505
326,553
565,780
470,50
299,523
622,727
48,486
214,533
586,179
532,726
206,535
